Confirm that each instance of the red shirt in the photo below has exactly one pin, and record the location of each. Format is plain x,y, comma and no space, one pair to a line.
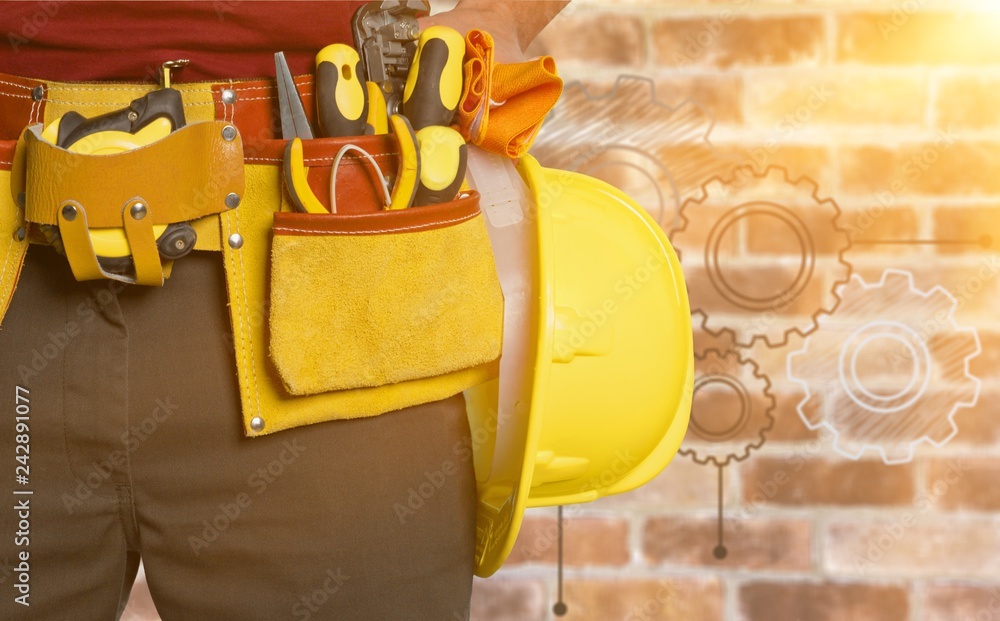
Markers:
128,41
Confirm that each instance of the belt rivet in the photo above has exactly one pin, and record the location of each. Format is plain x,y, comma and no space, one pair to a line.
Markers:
138,211
21,199
69,213
235,241
20,234
228,96
232,200
257,423
229,133
38,92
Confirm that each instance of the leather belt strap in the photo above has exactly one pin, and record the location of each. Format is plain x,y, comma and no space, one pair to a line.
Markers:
182,177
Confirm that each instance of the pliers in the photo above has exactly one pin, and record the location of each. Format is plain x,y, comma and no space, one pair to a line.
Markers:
295,127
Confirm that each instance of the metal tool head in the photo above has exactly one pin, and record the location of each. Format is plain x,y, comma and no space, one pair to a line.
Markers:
294,123
385,35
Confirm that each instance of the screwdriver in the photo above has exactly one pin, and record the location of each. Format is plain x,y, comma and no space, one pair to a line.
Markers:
341,95
443,158
434,83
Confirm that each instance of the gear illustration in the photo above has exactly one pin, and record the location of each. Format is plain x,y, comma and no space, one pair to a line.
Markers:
771,251
887,384
731,409
657,154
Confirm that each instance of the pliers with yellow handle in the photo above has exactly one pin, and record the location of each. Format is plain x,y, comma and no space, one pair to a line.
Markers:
295,126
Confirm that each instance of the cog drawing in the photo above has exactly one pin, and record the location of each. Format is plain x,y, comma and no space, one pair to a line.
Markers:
657,154
731,409
771,251
889,384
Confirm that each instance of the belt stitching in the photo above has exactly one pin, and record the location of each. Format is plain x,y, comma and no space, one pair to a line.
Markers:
414,227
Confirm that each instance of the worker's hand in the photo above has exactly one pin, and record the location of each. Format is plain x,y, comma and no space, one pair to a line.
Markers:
512,29
488,16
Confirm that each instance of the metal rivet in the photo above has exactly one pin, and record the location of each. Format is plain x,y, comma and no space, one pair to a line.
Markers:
69,213
38,92
133,116
20,234
235,241
228,96
229,133
21,199
257,423
138,211
232,200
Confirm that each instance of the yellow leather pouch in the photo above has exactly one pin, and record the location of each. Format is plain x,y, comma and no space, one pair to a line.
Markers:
366,300
321,304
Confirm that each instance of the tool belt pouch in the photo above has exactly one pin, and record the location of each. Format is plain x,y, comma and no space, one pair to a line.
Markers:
379,299
136,194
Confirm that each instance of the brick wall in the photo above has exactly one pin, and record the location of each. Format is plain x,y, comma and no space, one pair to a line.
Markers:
892,109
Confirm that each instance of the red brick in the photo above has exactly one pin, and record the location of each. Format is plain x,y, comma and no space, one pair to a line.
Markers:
979,225
586,541
979,425
800,160
828,601
719,94
505,599
684,484
963,483
652,600
924,37
914,543
792,101
782,545
877,223
798,481
595,39
939,167
788,425
955,602
968,102
771,235
740,42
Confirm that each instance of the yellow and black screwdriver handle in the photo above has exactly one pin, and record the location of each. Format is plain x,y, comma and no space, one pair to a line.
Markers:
341,94
434,83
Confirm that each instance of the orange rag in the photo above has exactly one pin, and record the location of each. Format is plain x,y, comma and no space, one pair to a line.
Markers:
503,105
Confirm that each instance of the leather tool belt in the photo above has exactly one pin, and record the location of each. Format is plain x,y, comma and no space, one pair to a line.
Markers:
334,316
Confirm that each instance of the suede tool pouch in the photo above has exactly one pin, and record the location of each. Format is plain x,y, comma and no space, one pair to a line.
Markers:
369,300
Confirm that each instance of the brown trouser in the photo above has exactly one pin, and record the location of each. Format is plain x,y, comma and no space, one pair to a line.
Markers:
136,450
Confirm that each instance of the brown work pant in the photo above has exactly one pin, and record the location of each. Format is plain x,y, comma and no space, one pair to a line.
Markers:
131,413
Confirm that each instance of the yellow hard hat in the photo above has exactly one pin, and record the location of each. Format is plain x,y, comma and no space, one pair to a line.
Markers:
595,384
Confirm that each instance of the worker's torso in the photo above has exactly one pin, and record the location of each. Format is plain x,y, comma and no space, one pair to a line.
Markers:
87,41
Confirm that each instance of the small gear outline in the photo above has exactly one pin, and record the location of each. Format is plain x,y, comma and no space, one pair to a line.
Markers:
629,121
897,414
732,369
757,197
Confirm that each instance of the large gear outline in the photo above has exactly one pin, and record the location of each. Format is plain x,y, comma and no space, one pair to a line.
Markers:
742,376
757,196
629,127
892,425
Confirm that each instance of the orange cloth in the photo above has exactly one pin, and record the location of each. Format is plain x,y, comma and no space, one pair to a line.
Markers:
503,105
